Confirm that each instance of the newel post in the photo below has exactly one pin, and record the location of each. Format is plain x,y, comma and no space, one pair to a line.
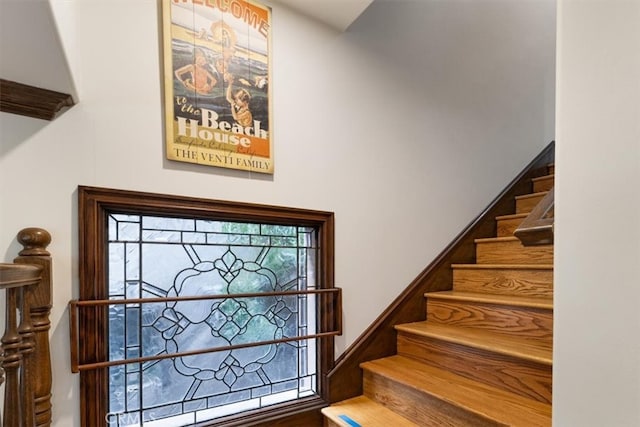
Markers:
35,242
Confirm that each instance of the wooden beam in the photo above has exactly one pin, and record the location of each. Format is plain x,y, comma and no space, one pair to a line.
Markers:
30,101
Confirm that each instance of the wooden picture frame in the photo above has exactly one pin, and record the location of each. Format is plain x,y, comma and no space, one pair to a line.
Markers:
217,92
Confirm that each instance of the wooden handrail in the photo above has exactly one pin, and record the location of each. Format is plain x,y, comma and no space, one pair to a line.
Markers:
24,347
537,227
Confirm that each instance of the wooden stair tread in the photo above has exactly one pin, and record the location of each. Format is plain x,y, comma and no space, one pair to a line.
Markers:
502,239
543,178
517,301
517,347
513,216
496,239
365,412
504,266
531,195
509,409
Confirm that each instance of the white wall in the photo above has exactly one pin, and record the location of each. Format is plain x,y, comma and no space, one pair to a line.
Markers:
597,252
406,127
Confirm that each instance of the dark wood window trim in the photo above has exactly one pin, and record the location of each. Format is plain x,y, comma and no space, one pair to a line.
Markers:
94,206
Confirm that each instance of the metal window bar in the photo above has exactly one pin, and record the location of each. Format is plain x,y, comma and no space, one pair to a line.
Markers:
74,330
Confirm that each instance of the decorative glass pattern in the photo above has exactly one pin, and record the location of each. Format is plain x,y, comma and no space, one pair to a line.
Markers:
157,257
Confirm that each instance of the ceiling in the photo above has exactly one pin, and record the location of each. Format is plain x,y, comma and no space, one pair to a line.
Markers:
338,14
30,48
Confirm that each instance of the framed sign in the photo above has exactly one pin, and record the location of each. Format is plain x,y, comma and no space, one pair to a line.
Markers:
217,83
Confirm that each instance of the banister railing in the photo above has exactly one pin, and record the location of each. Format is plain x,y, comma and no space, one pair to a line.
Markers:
537,227
25,362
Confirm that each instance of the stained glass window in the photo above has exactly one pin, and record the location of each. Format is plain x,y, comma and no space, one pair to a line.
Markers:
160,257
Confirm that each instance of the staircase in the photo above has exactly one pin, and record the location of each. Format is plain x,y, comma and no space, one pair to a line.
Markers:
483,357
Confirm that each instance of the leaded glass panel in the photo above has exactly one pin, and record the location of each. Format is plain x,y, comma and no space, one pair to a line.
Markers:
156,257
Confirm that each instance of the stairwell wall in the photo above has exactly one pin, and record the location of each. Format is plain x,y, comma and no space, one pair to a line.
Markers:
406,126
597,216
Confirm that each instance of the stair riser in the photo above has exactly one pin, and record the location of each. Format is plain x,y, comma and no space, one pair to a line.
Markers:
529,379
512,252
526,204
506,227
363,411
498,281
551,169
417,406
535,324
543,184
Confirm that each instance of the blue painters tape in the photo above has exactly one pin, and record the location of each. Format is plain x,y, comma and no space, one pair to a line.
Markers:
349,421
